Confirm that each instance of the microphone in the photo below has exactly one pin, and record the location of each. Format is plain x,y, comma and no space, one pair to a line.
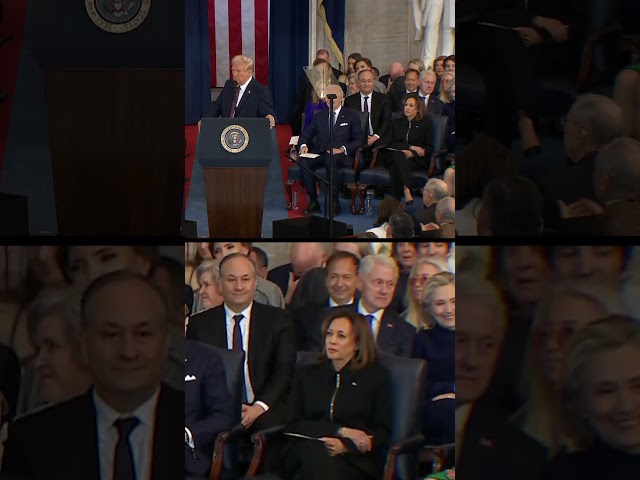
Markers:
332,95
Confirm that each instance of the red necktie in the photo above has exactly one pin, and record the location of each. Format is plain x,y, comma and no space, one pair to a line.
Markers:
232,113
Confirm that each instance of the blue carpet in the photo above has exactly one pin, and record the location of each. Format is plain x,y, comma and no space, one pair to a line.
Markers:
274,202
27,164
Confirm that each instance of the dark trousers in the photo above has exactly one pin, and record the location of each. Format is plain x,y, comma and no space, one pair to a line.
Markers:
400,167
309,460
438,424
324,159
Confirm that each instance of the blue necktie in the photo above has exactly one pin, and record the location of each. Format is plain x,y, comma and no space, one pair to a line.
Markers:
123,467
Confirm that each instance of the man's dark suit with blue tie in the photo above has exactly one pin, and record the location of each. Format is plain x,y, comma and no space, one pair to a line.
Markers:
256,102
347,133
207,404
61,441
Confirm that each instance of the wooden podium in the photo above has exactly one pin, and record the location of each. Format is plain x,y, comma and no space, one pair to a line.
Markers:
235,181
116,118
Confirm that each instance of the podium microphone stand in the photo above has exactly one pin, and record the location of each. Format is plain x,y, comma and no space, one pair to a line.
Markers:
331,97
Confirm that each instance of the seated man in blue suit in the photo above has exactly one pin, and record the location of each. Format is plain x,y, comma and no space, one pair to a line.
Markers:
243,96
207,401
347,138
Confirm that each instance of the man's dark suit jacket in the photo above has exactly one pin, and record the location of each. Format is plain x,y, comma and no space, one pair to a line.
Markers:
434,105
280,276
9,378
395,335
347,132
256,102
271,354
61,441
493,449
426,215
207,404
380,110
569,185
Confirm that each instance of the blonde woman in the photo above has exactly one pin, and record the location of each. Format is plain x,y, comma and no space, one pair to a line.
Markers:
423,269
563,310
437,347
601,402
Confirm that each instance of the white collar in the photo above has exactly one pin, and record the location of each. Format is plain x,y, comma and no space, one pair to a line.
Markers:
107,414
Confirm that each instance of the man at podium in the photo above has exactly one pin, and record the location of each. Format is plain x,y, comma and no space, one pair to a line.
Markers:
243,96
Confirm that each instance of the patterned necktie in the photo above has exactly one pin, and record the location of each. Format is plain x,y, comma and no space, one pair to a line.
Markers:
236,93
123,467
237,333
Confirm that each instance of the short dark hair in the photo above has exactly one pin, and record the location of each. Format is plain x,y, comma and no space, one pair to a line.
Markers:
401,226
355,55
390,205
342,255
236,255
450,58
412,70
117,277
262,257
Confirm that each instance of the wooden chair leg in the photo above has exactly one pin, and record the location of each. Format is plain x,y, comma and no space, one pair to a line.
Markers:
353,189
362,190
288,193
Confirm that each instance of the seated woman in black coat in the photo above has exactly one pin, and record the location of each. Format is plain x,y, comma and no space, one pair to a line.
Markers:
601,388
436,345
410,137
344,401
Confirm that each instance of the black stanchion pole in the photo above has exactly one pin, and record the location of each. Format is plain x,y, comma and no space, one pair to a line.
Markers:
331,97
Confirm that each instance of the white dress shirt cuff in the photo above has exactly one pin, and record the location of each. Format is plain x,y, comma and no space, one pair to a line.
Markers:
344,149
189,438
264,406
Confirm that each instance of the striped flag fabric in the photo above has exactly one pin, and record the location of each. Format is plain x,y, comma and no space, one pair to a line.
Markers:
238,27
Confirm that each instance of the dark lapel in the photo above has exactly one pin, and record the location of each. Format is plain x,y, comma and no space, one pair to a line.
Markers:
256,337
166,458
386,332
79,453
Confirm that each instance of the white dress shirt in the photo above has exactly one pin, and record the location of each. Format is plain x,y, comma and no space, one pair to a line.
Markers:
334,304
370,95
375,323
140,439
245,328
243,87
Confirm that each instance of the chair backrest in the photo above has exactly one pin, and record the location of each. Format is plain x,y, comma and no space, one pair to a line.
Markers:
306,358
438,124
233,362
408,384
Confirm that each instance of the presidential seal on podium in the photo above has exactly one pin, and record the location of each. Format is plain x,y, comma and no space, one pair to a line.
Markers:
117,16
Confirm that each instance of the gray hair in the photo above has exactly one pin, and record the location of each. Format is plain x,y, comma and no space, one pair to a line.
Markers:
437,187
208,266
370,261
427,73
62,301
476,288
599,116
620,162
446,210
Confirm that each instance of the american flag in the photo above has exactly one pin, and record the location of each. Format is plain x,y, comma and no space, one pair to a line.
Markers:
238,27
